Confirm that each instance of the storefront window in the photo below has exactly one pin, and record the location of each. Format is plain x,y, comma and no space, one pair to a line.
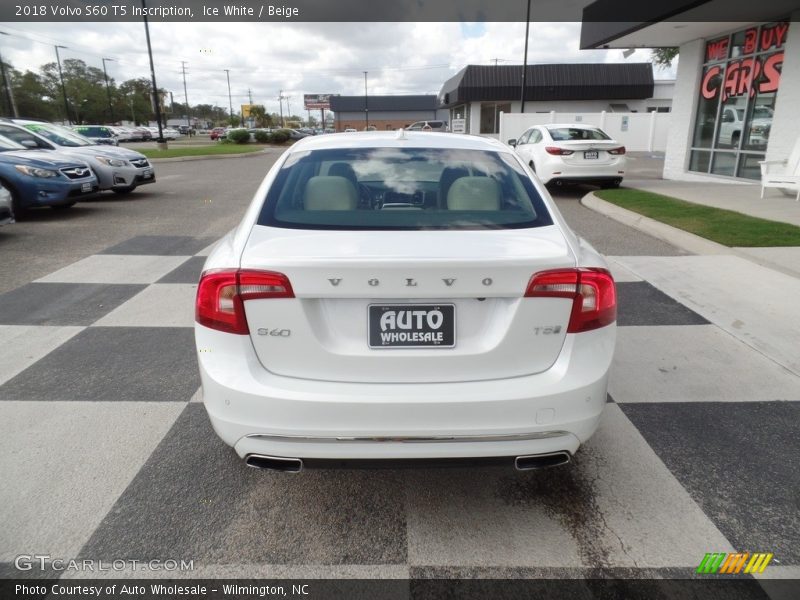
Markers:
736,100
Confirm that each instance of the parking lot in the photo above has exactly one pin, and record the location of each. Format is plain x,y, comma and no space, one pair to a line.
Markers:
108,453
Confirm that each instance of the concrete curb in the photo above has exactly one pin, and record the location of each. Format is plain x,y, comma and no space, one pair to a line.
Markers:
677,237
210,156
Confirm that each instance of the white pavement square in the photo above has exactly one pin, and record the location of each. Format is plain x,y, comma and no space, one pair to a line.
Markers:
115,268
694,363
23,345
617,505
158,305
78,458
755,304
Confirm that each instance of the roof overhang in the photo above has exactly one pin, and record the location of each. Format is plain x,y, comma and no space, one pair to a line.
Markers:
671,23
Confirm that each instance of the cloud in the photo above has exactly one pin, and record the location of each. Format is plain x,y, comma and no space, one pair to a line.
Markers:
297,58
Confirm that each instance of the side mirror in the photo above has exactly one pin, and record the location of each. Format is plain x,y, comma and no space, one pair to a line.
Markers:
512,143
29,144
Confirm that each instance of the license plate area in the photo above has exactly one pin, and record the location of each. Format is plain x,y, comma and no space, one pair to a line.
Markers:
147,173
86,187
591,155
411,325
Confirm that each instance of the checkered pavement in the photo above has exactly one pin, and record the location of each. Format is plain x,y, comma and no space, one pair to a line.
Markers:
108,454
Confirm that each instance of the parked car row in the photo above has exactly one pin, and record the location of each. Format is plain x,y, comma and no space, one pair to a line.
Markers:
42,164
113,135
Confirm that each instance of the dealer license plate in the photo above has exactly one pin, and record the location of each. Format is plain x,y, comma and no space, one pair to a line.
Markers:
86,187
591,154
412,325
147,173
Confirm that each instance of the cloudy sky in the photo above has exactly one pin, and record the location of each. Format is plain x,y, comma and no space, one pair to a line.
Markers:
298,58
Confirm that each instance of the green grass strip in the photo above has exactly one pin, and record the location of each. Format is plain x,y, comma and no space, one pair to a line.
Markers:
215,149
725,227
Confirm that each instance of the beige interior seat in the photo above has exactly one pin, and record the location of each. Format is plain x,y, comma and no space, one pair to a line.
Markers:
330,193
474,193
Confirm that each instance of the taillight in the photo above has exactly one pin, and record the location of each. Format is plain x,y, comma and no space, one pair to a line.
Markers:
556,151
617,151
594,297
221,295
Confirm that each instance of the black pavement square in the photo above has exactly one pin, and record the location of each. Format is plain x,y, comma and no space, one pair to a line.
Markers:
188,272
740,461
63,303
113,363
195,497
160,245
639,303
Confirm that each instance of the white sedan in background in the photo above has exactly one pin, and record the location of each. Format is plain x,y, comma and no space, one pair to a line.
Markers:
572,153
403,297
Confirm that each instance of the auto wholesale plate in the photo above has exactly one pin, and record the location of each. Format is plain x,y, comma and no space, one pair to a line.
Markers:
411,325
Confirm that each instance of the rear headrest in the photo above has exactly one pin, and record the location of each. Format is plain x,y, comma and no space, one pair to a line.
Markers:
474,193
330,193
343,169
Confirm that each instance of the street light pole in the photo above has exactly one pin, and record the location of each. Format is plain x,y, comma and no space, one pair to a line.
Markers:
108,90
156,99
525,58
12,106
366,102
61,79
230,99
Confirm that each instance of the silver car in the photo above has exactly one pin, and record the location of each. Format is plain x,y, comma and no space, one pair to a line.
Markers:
6,213
118,169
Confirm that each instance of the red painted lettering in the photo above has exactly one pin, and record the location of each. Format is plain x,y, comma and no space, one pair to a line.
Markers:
717,49
772,73
710,85
750,39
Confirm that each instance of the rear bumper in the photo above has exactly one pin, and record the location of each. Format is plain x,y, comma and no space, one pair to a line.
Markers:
558,170
258,412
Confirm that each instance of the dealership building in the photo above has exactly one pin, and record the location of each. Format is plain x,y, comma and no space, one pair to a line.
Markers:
478,94
737,90
384,112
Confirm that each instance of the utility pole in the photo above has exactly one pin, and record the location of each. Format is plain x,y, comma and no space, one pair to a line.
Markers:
108,90
250,97
366,102
186,95
12,106
280,103
61,79
230,100
525,58
156,100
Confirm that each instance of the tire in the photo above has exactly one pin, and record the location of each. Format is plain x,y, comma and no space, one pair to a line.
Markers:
735,139
125,190
16,207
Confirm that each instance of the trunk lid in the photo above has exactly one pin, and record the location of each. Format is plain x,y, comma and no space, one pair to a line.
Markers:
323,332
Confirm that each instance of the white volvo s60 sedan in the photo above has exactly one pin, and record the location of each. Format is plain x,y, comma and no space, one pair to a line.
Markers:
404,298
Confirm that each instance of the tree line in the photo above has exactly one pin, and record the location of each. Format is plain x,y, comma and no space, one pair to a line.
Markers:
38,95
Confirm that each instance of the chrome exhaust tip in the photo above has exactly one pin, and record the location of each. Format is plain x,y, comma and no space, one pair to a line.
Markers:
541,461
274,463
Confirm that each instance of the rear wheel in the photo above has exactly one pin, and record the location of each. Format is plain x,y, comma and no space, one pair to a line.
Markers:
124,190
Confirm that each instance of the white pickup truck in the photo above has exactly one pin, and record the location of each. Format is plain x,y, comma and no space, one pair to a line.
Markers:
732,123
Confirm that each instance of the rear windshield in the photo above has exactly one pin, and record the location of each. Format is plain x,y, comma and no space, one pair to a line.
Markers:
409,188
564,134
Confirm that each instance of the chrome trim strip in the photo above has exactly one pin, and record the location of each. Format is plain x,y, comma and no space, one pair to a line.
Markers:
432,439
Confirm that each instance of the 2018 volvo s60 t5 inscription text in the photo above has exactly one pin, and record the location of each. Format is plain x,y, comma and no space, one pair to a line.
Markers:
397,297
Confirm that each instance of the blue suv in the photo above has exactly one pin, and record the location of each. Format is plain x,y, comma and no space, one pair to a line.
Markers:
42,178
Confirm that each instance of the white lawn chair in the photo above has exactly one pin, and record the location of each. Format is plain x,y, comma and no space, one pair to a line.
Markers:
784,174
